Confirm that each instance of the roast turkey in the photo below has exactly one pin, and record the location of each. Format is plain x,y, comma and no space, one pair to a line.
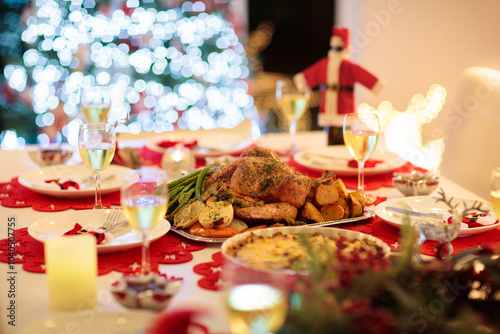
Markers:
260,175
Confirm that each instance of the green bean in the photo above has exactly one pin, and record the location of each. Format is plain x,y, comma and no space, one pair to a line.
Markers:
199,182
183,179
184,201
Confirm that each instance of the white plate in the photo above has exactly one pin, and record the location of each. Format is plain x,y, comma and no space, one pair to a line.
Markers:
213,145
126,237
429,204
335,158
111,180
367,214
237,239
125,322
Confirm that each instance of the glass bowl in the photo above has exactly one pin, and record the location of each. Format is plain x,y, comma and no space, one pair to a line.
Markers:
415,183
50,155
152,292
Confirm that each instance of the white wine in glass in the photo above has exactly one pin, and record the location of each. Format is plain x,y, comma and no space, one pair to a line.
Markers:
495,190
95,102
144,199
96,144
361,133
293,104
257,301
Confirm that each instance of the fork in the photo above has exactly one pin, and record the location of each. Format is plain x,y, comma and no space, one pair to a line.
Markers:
112,221
408,207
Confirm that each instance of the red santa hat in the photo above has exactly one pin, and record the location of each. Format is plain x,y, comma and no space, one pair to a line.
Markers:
340,37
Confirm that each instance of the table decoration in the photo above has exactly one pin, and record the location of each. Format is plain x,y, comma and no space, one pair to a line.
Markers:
169,249
211,272
178,161
404,296
415,183
71,266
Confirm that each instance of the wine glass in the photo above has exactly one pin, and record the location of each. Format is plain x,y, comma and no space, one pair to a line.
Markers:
96,144
361,132
293,104
257,301
495,190
144,199
95,102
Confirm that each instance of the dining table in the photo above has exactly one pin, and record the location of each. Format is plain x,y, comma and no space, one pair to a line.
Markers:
24,301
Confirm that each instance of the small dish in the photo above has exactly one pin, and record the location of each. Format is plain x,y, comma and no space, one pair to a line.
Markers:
415,183
46,156
152,292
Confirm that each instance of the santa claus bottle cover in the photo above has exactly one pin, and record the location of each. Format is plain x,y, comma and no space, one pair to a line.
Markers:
335,75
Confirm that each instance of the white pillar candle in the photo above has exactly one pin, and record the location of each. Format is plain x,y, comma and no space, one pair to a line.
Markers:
71,267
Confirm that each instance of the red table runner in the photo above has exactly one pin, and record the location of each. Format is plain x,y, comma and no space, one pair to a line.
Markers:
169,249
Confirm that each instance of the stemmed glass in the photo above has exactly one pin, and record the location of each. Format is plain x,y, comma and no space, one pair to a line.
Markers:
495,190
144,199
95,102
96,144
361,131
293,104
257,301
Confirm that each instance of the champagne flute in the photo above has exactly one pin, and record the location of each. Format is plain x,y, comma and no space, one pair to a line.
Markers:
144,198
293,104
361,136
257,301
96,144
495,190
95,102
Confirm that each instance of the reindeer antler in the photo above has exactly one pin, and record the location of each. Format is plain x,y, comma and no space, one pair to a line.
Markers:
476,206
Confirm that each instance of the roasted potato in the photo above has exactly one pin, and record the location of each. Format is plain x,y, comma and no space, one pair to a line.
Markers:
216,214
341,188
311,213
326,194
238,224
344,203
332,212
356,207
188,215
360,197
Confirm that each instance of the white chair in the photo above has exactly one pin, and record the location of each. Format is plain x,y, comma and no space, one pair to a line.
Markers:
471,125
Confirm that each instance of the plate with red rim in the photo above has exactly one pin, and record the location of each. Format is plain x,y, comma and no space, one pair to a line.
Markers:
111,180
213,145
336,159
126,237
429,204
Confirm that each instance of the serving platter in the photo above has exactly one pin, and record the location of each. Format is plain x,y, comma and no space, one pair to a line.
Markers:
430,205
366,214
336,158
111,180
126,237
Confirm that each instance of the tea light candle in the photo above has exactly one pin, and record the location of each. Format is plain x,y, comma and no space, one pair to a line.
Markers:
177,161
71,267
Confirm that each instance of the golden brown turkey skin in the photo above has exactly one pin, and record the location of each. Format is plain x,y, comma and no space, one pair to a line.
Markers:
268,212
260,174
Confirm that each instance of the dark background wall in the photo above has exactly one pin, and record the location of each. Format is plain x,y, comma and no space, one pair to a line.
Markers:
302,32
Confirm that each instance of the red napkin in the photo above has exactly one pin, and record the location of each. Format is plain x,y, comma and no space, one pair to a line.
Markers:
368,163
172,143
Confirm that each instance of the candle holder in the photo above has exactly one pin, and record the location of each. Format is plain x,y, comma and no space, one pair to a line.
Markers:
178,161
415,183
153,291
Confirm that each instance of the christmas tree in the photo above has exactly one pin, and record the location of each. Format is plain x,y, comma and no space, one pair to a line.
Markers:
169,64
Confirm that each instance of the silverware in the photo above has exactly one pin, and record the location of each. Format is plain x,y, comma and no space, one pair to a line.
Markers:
112,221
90,180
415,213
